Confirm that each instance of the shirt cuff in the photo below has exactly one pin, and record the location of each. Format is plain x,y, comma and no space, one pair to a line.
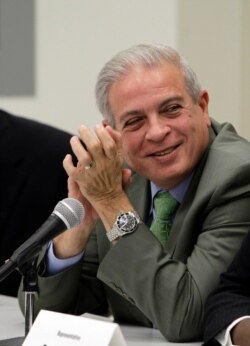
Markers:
56,265
224,337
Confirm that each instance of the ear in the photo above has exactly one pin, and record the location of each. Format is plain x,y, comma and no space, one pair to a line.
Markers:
203,100
105,122
203,103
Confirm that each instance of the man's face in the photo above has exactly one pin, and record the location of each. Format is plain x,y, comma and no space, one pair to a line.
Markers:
164,132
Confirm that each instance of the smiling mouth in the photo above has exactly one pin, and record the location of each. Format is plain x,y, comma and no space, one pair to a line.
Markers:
165,152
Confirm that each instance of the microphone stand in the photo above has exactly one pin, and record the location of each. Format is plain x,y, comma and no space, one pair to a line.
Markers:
30,288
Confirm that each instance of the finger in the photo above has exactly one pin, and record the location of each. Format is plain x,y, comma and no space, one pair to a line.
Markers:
91,142
110,141
116,136
68,165
78,148
84,158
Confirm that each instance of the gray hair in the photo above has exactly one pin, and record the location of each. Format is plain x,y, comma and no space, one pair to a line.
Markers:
142,55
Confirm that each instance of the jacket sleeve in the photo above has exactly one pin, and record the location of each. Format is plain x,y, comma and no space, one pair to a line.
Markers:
75,290
231,299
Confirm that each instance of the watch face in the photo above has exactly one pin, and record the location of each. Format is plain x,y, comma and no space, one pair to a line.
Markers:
126,222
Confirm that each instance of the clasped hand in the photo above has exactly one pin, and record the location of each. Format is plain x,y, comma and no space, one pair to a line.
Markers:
97,180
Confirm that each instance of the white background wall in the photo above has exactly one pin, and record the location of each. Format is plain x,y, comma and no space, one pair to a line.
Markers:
210,37
74,38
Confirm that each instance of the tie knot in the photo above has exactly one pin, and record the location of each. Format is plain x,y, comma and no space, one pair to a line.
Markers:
165,204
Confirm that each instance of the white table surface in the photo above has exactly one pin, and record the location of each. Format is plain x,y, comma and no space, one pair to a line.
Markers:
12,325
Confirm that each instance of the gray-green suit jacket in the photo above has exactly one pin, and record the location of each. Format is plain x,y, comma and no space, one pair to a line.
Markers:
144,284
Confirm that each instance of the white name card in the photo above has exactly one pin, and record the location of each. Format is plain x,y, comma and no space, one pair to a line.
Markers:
58,329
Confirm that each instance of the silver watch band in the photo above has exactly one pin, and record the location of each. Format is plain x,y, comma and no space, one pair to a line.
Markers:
113,234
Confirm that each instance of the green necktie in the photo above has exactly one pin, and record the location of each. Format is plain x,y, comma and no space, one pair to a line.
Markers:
165,206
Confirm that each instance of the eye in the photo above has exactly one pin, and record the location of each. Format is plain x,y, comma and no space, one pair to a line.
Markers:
172,110
133,123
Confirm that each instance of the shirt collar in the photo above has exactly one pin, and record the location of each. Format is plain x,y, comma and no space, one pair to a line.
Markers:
178,192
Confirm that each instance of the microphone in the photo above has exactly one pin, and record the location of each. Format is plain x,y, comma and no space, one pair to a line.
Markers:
68,213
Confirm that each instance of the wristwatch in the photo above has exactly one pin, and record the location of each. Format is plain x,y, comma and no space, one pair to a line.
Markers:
125,223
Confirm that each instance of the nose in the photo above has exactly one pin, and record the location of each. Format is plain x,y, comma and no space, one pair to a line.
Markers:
157,129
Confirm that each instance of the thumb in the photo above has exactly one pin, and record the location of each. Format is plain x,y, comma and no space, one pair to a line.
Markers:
73,189
126,177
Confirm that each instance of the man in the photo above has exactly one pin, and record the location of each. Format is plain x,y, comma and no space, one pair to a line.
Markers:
227,315
157,121
32,181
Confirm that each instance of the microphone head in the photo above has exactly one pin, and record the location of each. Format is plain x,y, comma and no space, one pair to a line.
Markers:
70,211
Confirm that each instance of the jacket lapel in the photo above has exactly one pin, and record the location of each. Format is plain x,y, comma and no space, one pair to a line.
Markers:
179,223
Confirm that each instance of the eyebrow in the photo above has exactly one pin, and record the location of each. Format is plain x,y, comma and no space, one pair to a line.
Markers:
129,113
170,100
